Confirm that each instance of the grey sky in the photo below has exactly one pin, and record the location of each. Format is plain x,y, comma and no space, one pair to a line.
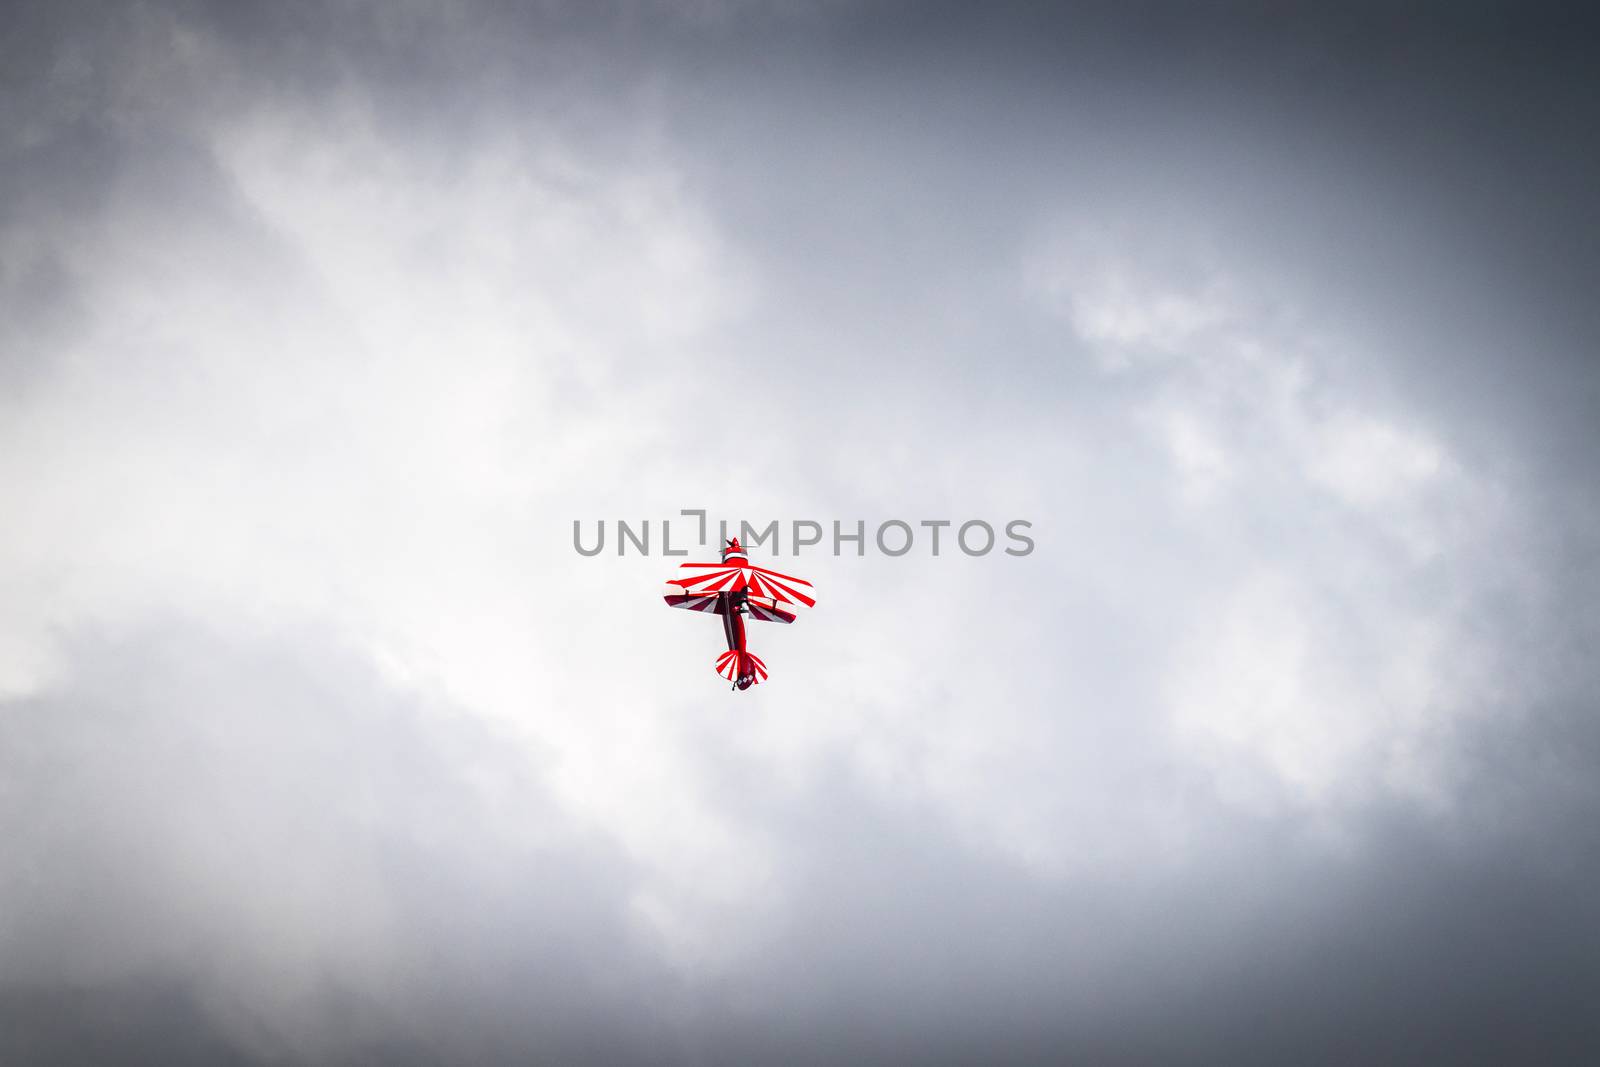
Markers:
319,744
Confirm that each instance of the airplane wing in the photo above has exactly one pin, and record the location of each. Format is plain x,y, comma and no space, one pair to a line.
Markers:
704,578
779,587
711,603
708,578
768,611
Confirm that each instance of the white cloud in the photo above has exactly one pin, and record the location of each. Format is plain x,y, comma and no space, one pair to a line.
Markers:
1308,672
343,383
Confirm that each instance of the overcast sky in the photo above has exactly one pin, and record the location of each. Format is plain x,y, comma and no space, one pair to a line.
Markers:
321,325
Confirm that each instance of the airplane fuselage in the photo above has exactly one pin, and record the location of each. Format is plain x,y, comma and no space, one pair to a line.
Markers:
732,620
732,612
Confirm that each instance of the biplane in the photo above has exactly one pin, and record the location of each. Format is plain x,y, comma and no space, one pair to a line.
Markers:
735,589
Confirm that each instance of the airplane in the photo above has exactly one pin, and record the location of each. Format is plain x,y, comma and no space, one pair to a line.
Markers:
733,589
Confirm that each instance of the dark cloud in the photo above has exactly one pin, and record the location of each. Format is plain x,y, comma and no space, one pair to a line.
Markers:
244,849
142,1024
246,841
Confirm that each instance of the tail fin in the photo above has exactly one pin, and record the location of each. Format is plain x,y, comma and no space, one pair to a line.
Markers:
743,669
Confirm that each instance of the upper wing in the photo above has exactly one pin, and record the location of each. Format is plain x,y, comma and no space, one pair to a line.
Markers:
708,578
703,578
779,587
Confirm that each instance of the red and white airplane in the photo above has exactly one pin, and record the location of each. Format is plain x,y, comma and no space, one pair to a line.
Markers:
734,589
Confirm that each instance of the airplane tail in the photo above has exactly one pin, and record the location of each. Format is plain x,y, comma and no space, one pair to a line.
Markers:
743,669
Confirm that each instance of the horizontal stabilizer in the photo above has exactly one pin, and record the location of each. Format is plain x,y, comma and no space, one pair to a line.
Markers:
743,669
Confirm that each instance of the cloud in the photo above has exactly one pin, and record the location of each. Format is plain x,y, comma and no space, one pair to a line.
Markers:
321,744
1325,653
317,860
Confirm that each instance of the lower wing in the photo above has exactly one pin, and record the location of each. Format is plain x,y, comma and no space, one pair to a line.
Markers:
758,608
711,604
764,610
